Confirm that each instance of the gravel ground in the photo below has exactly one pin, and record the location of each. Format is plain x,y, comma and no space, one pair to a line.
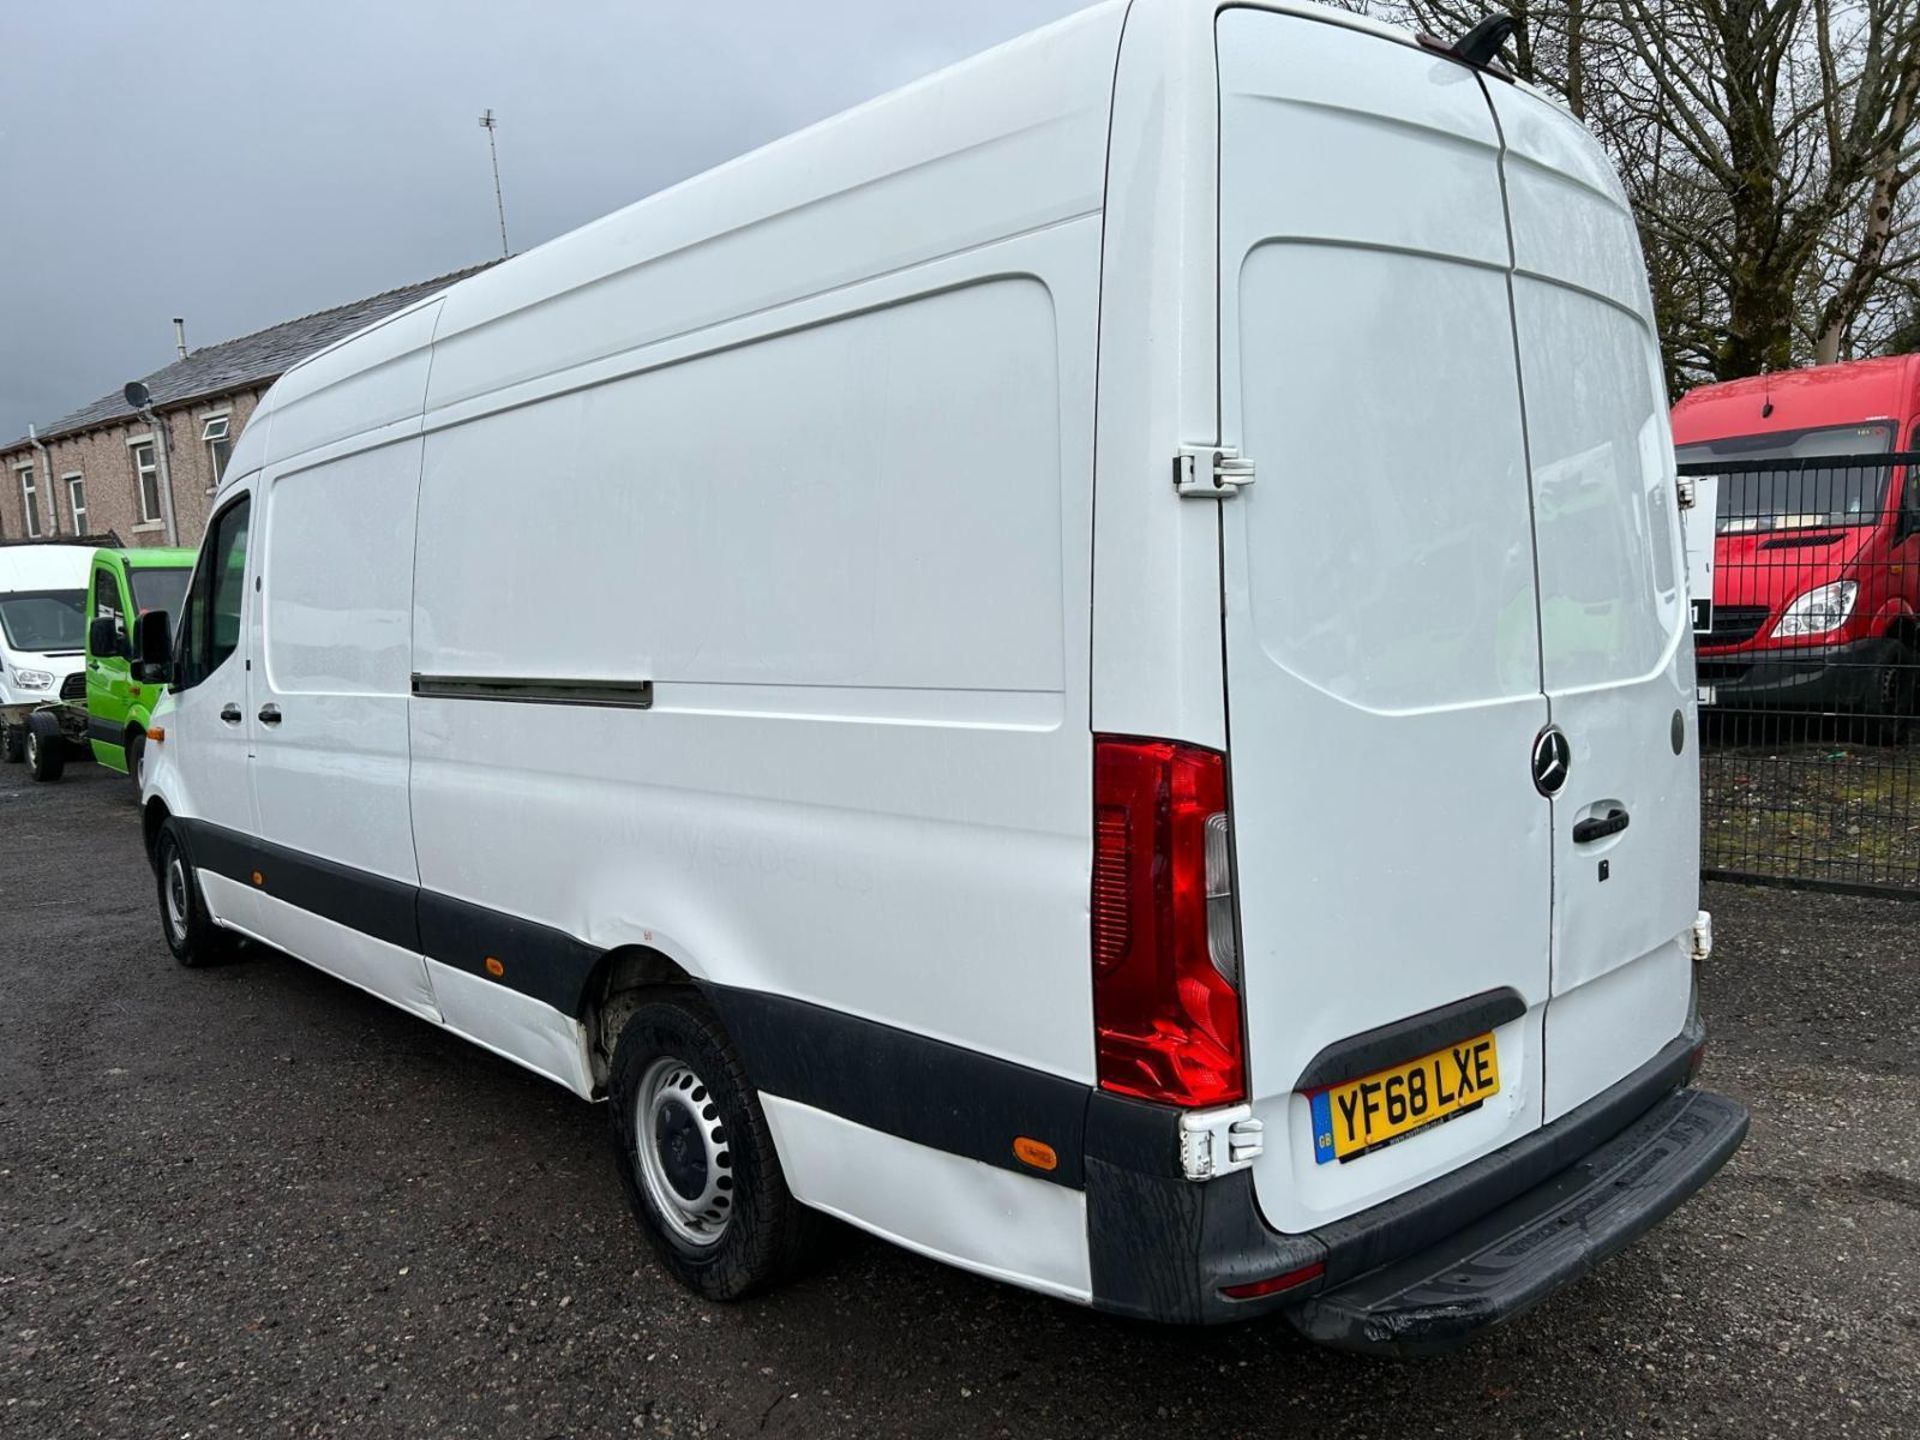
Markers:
254,1202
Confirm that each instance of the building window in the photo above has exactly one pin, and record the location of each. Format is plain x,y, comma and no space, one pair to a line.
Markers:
214,435
30,502
77,501
147,476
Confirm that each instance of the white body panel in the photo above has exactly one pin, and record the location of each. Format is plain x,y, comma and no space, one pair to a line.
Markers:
968,1214
379,968
810,446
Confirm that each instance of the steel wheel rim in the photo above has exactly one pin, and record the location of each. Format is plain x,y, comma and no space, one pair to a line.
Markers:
33,747
686,1165
177,897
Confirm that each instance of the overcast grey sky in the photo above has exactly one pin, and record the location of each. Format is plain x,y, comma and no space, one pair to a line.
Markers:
241,162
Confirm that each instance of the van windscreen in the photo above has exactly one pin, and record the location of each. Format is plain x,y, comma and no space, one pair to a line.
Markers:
1793,499
159,590
44,620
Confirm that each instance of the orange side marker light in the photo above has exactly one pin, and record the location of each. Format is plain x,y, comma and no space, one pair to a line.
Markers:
156,733
1036,1153
495,968
258,878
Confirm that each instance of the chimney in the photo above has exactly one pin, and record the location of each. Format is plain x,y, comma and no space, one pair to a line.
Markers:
180,336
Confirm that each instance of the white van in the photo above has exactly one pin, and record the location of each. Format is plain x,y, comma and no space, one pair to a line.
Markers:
1085,667
43,643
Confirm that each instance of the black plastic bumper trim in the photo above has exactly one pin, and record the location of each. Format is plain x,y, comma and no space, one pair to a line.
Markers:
1515,1257
1409,1039
1162,1247
374,905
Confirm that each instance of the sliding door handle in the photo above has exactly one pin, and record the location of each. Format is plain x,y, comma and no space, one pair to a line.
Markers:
269,714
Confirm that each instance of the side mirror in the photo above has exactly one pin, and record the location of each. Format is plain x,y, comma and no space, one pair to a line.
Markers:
103,639
153,649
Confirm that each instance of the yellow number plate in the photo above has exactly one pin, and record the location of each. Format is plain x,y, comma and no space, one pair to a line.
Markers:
1360,1115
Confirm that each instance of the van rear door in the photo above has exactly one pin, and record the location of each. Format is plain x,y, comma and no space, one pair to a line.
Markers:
1393,856
1615,632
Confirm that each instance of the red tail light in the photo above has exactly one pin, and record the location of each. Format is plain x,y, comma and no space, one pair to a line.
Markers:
1166,1016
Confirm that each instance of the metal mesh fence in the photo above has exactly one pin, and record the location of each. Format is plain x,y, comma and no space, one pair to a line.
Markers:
1809,654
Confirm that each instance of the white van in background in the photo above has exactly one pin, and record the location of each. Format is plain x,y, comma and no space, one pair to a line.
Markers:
1085,666
43,644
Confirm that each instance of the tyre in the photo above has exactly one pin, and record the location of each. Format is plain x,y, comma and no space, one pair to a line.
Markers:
13,744
136,748
1893,700
46,754
191,934
697,1159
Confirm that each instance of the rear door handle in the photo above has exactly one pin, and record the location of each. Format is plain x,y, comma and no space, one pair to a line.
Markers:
269,714
230,713
1598,827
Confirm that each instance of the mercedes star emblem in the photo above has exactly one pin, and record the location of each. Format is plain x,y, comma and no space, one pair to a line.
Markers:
1552,755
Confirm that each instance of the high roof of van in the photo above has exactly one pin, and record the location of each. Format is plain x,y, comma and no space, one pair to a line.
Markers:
1057,80
37,566
1820,395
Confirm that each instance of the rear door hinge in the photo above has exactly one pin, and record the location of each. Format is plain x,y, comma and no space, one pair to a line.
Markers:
1210,472
1219,1142
1685,491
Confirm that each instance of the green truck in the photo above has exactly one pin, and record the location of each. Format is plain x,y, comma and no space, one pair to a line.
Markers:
122,586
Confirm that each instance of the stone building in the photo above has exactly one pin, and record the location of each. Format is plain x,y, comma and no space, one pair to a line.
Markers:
98,471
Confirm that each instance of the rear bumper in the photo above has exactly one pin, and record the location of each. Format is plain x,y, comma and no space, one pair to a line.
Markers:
1837,676
1530,1217
1520,1254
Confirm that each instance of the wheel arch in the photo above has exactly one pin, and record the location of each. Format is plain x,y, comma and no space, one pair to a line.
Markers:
153,815
621,981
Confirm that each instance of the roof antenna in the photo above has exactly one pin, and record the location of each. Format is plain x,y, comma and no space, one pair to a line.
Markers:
1481,45
1766,393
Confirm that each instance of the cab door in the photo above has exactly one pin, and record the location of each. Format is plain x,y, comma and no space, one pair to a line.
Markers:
207,727
109,674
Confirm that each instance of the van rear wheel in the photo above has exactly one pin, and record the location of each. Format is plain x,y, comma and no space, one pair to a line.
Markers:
192,935
697,1159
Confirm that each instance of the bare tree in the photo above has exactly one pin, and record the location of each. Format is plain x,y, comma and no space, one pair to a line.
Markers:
1767,147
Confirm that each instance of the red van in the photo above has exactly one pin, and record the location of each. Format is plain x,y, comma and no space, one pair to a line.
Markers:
1816,587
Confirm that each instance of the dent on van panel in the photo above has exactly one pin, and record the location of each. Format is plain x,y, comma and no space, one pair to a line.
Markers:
516,1026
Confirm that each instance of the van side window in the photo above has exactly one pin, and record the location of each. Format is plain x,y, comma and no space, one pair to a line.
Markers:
1910,487
208,630
229,587
106,600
